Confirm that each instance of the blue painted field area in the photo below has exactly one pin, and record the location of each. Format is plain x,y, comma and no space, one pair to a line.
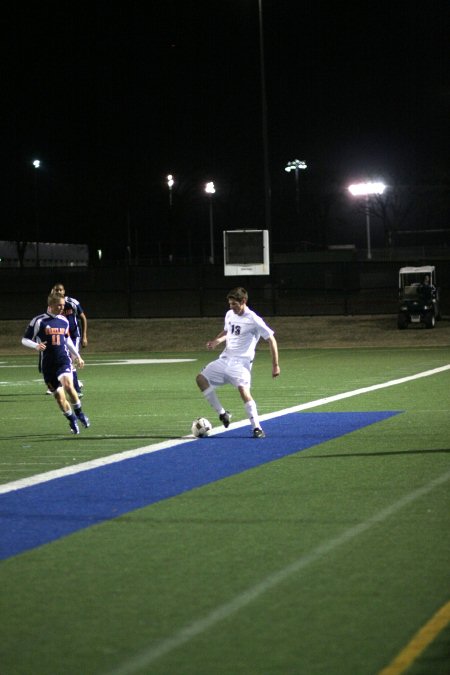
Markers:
39,514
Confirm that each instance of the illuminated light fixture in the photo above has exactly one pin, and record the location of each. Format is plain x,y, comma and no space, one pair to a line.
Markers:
209,188
36,163
362,189
295,165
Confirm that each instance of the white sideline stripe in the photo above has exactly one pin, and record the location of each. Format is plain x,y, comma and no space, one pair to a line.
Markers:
117,362
225,611
148,449
356,392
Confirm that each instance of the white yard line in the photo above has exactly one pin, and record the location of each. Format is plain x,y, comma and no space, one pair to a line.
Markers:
240,601
121,456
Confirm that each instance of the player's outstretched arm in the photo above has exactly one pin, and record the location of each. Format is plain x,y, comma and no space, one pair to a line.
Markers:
211,344
274,351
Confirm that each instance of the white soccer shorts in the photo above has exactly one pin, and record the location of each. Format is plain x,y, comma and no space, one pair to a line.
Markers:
228,371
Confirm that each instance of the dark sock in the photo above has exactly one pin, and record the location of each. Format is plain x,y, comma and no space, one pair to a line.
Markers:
75,382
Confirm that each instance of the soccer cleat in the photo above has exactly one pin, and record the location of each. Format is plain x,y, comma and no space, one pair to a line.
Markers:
84,420
74,426
258,433
225,418
49,392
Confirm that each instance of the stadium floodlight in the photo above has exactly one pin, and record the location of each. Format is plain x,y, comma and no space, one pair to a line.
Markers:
366,190
36,163
296,165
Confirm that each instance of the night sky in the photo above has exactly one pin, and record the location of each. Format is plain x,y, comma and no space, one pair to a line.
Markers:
112,99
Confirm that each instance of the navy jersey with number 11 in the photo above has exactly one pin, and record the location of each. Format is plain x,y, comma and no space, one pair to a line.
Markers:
54,331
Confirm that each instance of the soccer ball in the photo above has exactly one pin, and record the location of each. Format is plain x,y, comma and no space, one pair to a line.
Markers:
201,427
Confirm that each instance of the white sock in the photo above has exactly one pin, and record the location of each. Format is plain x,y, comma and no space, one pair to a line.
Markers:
252,414
211,397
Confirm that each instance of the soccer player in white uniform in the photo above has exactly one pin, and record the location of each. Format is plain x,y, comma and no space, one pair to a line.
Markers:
242,330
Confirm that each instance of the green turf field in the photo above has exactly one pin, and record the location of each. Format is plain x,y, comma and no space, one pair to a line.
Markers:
324,562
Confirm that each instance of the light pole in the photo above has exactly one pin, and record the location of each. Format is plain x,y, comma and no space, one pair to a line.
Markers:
264,123
170,184
296,165
210,190
36,164
365,190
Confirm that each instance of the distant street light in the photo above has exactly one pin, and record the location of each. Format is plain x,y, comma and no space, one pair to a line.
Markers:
210,190
296,165
365,190
36,163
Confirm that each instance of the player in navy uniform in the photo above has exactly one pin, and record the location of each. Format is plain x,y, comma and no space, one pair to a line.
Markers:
77,325
242,330
48,333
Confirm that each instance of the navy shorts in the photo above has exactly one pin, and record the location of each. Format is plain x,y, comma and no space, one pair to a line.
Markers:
52,375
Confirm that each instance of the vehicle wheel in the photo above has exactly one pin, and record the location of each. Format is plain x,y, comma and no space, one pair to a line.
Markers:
402,321
430,320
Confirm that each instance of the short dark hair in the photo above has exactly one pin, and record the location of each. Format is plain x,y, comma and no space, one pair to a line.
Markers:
239,294
58,283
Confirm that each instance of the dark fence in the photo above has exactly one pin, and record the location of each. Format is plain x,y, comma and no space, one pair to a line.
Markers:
311,287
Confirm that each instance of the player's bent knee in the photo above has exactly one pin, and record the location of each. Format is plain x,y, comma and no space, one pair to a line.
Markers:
202,382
